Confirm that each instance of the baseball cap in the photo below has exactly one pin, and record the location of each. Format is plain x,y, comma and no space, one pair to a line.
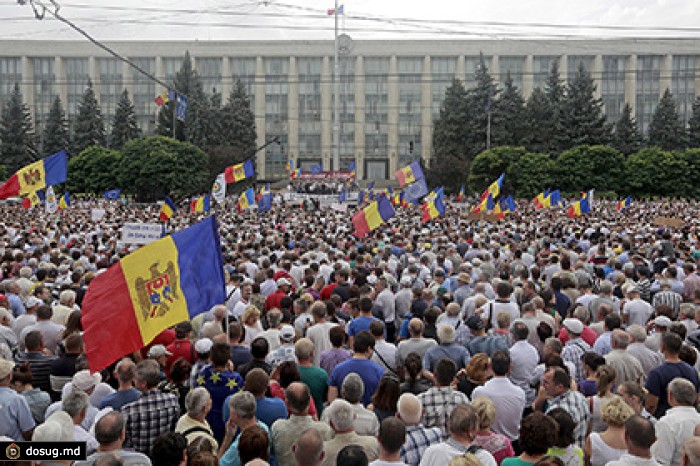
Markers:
662,321
283,281
573,325
203,346
475,323
287,333
157,351
34,301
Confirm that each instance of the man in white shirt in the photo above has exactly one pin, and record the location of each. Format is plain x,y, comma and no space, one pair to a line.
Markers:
524,359
639,437
636,311
384,353
392,435
385,298
508,398
463,427
501,303
244,300
678,424
318,333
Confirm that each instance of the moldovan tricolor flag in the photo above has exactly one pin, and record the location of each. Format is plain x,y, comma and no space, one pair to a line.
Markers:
38,175
167,210
165,282
372,216
409,174
236,173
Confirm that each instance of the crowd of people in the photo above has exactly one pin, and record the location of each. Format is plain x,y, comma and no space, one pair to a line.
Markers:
536,340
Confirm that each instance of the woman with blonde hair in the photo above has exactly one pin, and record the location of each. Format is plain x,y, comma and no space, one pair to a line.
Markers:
497,444
635,395
475,374
605,379
251,321
609,445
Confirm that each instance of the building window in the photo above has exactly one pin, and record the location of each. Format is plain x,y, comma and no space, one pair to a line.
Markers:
244,71
347,111
309,107
144,93
10,74
573,63
209,70
44,89
77,77
541,69
612,87
648,82
471,65
171,67
442,76
111,87
514,66
410,109
683,84
376,107
276,115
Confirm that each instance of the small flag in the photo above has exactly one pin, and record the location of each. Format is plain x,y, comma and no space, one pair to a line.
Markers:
180,105
167,209
623,204
361,197
218,189
316,168
51,201
487,204
460,196
246,199
162,99
290,166
343,196
64,202
46,172
494,188
265,202
414,191
295,174
201,204
332,11
113,194
434,208
372,216
409,174
241,171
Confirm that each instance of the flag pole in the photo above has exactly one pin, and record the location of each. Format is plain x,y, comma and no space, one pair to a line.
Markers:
336,98
488,130
174,108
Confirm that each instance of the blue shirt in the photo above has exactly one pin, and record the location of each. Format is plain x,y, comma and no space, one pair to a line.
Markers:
369,372
267,410
231,458
120,398
359,324
219,384
15,416
16,304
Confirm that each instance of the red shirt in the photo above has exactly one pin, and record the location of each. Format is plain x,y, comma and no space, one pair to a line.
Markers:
273,301
588,335
327,291
180,349
164,338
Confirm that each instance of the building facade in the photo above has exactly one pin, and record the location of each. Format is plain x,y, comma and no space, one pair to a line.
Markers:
390,91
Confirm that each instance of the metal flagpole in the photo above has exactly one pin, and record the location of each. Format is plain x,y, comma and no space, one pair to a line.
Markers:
336,98
488,131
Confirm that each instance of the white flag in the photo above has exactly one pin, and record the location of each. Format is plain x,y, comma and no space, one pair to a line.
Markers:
218,191
51,201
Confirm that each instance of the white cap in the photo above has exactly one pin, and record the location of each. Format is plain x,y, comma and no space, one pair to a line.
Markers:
573,325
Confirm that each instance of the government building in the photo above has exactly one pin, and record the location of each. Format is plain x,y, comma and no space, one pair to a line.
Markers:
390,90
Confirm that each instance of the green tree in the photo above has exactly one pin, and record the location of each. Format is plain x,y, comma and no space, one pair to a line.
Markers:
693,136
655,172
626,137
482,100
125,126
56,136
691,177
236,131
510,124
450,159
488,166
89,129
539,113
582,114
94,170
532,173
16,133
186,83
587,167
666,128
153,167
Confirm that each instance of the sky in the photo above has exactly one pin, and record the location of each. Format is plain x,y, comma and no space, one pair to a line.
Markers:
364,19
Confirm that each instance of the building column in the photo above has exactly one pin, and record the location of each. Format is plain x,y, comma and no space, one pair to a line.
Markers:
94,71
127,83
160,71
495,70
426,113
360,117
326,111
631,83
293,110
564,68
597,75
665,72
528,77
226,74
393,115
61,77
259,90
460,69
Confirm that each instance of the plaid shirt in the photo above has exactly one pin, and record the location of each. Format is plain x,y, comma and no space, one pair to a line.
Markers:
438,403
576,405
153,414
573,352
418,438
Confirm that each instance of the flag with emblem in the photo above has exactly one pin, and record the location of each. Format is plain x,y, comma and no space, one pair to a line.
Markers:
46,172
246,199
51,203
165,282
33,199
239,172
409,174
218,189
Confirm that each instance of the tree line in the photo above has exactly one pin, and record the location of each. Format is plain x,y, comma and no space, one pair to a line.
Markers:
559,118
224,131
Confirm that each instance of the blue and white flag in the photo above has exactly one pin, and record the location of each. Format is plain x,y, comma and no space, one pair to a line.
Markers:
113,194
414,191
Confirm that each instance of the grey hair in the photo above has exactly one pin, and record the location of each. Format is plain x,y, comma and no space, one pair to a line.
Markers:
554,344
683,391
66,297
582,314
638,333
243,404
688,310
341,414
620,339
606,287
274,317
445,333
352,388
196,400
75,402
148,371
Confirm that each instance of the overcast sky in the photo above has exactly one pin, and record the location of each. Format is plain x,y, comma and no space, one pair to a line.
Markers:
364,19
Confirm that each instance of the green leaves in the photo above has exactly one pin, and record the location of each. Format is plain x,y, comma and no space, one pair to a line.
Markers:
89,129
16,133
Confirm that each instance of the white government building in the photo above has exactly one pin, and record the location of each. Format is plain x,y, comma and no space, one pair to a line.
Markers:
390,90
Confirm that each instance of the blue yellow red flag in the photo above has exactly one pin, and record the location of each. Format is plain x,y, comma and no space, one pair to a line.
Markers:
372,216
38,175
201,204
239,172
165,282
167,210
409,174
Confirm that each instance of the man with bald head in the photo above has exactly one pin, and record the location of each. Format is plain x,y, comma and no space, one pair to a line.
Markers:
415,344
627,367
308,449
287,432
418,437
